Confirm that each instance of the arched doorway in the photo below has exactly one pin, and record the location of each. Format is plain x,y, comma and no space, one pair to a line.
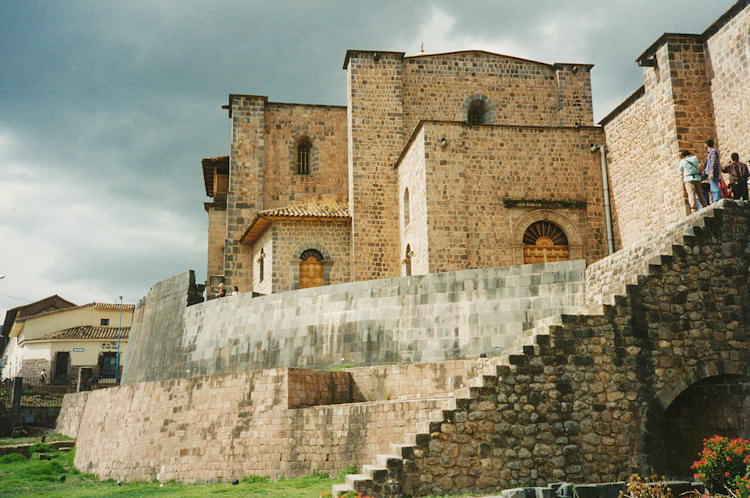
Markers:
544,242
311,269
715,405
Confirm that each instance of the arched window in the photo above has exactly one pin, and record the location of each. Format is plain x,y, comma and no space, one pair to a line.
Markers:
311,269
406,207
303,156
407,260
477,114
543,242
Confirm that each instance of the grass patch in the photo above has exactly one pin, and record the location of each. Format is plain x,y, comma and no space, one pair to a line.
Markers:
13,441
20,476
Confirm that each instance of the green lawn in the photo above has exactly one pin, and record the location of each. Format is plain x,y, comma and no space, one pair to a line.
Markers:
32,477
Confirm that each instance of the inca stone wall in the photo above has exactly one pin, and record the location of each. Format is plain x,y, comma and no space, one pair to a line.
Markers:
484,188
426,318
586,399
71,413
276,422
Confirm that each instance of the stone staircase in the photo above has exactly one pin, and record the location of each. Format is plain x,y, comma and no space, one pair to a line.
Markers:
629,267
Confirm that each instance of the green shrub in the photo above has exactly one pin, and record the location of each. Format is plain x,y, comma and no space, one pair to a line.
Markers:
49,470
724,465
349,469
12,458
41,448
254,479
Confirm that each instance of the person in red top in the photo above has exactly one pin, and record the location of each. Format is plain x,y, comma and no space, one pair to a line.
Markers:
738,174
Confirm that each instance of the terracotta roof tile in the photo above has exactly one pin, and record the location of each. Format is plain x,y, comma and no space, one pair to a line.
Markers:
113,306
325,211
338,210
85,333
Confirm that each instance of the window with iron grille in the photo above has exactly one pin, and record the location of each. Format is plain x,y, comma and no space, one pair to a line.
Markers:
303,157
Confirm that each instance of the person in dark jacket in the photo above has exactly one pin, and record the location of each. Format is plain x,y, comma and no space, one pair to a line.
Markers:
738,174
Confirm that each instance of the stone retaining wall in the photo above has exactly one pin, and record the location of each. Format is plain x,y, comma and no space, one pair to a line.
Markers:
425,318
229,426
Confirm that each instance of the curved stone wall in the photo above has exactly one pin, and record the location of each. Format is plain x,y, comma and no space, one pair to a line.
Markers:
426,318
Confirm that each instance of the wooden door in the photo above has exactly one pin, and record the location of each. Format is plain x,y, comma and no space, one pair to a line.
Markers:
310,272
62,360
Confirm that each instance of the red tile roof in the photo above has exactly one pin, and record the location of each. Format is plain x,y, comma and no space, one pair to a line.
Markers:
113,306
338,211
86,332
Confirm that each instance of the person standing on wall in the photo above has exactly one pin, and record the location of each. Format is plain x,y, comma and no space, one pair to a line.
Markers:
691,176
711,171
221,292
738,174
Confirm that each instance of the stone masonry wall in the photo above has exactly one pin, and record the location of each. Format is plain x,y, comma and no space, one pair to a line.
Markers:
156,331
698,90
585,399
71,413
635,156
729,58
608,277
412,176
691,93
521,92
291,238
629,153
245,195
407,319
285,126
263,281
375,120
473,178
217,232
158,430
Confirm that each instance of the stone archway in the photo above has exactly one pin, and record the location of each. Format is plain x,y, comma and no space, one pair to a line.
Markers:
714,399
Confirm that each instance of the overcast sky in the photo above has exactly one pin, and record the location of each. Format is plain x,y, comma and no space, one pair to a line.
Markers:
106,108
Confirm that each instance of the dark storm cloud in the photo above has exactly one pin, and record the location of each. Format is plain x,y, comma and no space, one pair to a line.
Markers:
106,108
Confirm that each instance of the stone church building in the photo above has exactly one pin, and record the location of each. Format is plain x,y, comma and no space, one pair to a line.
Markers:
437,163
465,160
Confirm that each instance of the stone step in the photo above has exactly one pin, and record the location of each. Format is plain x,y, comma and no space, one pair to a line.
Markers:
403,451
375,472
389,461
358,482
420,439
